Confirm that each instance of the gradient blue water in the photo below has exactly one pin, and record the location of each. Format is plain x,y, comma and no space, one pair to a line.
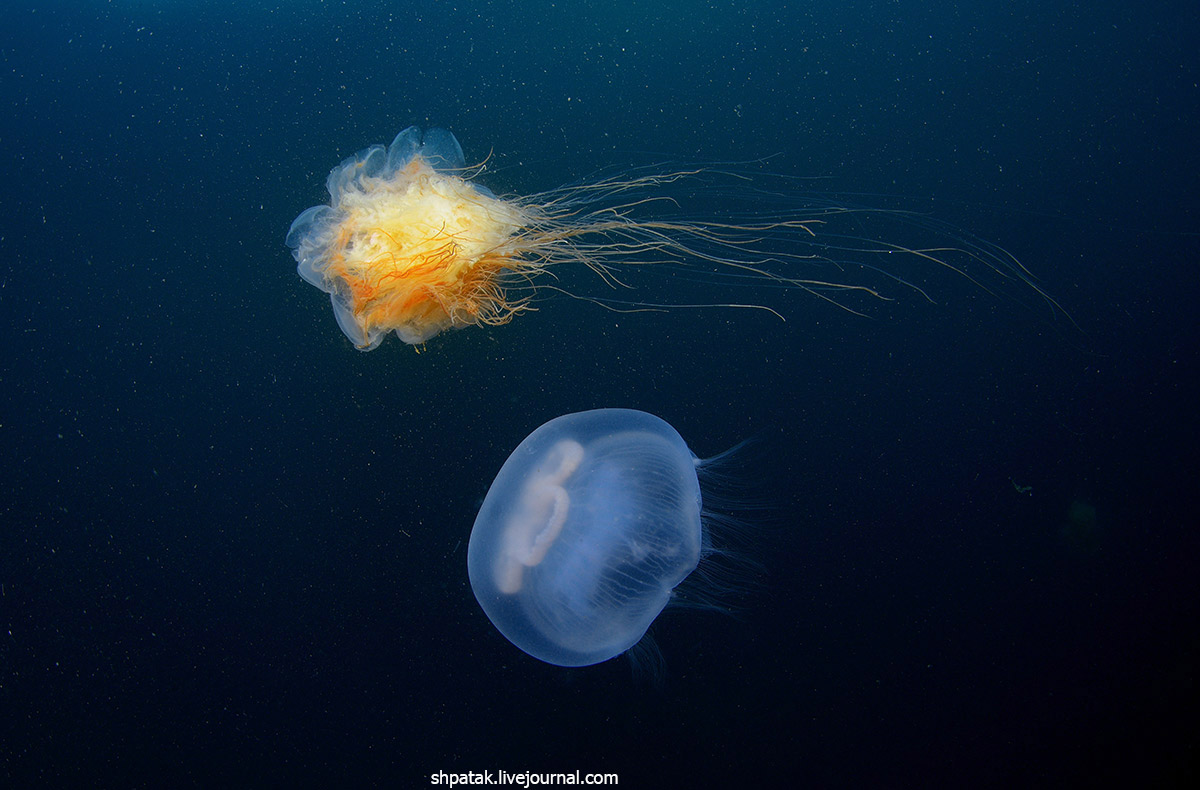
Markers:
232,546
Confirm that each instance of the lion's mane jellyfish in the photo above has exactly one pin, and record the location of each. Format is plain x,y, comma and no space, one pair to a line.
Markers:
409,243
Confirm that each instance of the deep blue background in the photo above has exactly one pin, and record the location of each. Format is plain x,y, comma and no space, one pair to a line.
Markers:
232,549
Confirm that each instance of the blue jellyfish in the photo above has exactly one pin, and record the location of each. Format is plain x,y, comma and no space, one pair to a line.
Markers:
587,530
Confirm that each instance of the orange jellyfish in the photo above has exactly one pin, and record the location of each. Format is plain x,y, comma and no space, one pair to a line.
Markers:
410,244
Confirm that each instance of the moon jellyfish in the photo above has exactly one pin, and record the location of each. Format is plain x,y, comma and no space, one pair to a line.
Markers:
410,243
589,527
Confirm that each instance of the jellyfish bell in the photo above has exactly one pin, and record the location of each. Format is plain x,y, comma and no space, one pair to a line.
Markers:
590,527
407,244
410,243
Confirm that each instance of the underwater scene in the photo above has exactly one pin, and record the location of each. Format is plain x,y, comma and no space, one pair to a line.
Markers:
647,394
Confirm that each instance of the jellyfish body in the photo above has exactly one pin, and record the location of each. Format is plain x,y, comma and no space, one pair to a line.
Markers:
406,244
587,529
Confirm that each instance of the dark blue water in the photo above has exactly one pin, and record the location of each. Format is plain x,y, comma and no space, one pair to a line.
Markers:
233,549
